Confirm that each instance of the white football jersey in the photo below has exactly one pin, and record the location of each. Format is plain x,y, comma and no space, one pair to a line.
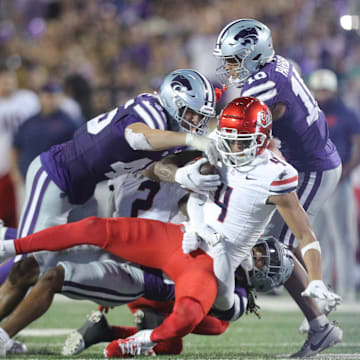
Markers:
137,196
238,209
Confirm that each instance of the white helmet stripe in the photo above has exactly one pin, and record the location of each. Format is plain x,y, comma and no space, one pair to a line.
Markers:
209,93
225,29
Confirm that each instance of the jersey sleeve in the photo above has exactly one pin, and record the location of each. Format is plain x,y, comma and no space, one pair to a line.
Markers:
146,109
285,181
267,84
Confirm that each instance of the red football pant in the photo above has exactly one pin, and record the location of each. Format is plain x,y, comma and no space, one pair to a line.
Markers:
146,242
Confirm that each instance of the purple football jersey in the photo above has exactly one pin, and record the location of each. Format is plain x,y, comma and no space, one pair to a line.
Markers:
156,287
99,150
302,130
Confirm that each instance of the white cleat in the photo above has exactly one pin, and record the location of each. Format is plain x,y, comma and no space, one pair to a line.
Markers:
15,347
317,341
325,306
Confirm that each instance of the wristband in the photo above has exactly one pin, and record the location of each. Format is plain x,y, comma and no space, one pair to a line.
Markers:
313,245
189,138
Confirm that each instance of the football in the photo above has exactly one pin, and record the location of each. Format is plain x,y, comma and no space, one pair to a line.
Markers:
207,169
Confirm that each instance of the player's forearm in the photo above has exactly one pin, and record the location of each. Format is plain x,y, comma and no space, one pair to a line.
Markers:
225,297
195,210
162,140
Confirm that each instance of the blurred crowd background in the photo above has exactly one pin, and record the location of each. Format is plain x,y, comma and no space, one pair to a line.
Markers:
99,53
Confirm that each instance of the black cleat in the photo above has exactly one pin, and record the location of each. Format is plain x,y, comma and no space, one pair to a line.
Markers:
95,330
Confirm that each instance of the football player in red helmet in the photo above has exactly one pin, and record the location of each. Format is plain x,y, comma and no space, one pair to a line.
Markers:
243,131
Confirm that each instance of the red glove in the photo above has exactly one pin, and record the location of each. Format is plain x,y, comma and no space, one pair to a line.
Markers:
219,93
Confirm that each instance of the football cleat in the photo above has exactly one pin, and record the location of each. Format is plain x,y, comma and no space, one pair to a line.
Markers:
15,347
147,318
317,341
325,306
95,330
125,348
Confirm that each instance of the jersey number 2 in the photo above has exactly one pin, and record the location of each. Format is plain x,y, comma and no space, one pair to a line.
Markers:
146,204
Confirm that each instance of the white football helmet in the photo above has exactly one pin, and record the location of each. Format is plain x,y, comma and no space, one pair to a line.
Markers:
186,89
247,45
276,262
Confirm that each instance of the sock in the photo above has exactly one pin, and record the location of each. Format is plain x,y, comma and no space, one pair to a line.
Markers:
4,337
319,322
9,233
169,347
8,247
187,313
122,332
211,326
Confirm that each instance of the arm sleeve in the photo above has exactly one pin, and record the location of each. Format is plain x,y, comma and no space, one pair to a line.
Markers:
285,182
195,210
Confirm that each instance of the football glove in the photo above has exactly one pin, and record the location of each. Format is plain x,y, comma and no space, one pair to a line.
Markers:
204,144
317,290
190,178
190,242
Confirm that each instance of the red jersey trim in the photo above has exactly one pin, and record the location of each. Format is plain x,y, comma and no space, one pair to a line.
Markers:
283,182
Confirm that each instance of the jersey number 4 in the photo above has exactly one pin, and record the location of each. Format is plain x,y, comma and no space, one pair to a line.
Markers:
222,199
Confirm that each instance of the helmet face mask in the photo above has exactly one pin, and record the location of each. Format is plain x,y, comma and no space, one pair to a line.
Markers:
273,264
243,131
189,98
243,46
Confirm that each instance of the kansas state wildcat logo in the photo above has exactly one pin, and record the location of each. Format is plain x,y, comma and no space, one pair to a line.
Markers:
180,82
249,36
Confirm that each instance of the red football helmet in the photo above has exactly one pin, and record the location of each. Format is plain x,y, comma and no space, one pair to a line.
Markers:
243,130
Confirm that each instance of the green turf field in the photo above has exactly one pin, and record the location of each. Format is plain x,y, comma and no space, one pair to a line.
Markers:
273,337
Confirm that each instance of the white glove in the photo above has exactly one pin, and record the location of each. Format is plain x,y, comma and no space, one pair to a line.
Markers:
190,242
317,290
211,238
204,144
190,178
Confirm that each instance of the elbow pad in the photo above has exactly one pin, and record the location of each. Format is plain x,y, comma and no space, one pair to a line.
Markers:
137,141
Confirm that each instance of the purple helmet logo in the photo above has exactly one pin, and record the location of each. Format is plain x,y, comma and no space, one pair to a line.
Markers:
179,82
249,36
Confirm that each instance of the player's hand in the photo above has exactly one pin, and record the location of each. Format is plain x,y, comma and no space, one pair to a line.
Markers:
190,242
190,178
212,238
204,144
317,290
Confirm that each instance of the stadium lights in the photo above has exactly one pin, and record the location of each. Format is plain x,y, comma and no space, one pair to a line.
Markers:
350,22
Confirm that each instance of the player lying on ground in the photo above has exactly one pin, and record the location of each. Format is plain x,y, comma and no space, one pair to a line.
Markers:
273,265
251,172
